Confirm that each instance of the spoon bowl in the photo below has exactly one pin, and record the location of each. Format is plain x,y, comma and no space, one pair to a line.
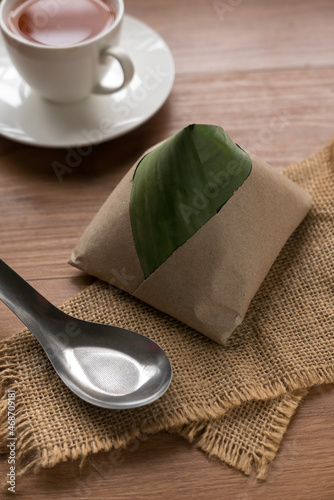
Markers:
105,365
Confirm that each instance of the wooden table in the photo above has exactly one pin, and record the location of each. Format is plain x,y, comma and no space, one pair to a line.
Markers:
262,69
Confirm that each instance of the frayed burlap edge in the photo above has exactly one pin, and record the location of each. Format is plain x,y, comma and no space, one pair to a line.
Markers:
28,455
31,457
219,446
276,430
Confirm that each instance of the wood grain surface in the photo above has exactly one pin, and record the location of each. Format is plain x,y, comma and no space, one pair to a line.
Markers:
264,70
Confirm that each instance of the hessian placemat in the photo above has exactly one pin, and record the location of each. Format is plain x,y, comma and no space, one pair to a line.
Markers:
234,401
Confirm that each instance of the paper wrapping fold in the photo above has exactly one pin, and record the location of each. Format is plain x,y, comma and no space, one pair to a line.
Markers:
106,249
208,282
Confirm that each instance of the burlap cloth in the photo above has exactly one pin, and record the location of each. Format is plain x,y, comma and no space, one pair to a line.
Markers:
235,402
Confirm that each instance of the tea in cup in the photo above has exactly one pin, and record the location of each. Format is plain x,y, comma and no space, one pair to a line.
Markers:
63,48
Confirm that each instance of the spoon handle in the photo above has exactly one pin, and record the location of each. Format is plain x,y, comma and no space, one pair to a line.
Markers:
21,298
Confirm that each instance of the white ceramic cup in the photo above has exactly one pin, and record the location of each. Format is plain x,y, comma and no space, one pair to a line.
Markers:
66,74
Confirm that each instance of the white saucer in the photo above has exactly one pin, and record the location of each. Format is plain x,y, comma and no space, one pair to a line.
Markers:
26,118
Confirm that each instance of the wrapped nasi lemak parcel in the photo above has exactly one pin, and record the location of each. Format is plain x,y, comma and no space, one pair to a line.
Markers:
193,229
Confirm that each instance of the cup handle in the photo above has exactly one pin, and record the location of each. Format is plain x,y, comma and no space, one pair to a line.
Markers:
126,64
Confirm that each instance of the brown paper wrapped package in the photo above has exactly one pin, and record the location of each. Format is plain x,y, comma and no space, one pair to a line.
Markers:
233,402
208,282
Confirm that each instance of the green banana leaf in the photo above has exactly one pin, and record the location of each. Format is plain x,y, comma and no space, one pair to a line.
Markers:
179,186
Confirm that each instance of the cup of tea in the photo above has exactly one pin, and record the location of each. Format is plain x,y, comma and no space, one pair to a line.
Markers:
63,48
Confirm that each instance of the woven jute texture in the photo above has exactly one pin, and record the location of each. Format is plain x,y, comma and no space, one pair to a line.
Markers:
236,401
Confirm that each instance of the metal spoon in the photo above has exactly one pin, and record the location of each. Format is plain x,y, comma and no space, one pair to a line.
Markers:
105,365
